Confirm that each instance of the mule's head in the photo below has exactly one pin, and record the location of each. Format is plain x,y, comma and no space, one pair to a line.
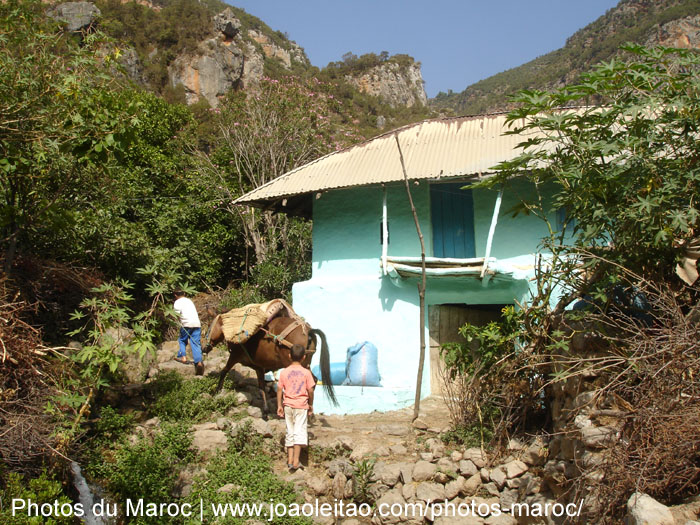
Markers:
215,333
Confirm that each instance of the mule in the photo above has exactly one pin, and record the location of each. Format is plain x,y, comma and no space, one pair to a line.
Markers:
264,352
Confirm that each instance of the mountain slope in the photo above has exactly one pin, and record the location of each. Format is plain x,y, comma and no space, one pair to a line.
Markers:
640,21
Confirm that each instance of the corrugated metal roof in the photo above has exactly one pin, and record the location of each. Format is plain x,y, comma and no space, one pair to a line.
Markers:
432,149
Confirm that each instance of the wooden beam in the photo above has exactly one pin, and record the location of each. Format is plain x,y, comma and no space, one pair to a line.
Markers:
492,230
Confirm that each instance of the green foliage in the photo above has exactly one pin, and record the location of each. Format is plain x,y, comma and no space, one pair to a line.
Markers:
247,467
114,333
242,295
94,173
245,440
44,489
486,346
362,481
158,35
151,210
112,425
262,136
179,399
320,454
149,468
60,129
626,172
469,435
362,109
352,64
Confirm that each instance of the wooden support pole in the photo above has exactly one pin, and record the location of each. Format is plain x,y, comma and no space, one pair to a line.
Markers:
421,285
492,230
385,231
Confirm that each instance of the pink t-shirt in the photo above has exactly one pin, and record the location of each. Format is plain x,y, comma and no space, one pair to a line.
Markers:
295,382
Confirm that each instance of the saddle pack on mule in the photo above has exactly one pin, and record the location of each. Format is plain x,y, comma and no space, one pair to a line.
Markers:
240,324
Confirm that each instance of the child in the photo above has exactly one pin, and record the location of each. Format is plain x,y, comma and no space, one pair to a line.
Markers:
295,398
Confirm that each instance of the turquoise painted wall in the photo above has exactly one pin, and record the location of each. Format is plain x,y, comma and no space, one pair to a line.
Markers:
351,301
514,236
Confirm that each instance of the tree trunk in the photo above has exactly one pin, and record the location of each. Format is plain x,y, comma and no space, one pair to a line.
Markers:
421,286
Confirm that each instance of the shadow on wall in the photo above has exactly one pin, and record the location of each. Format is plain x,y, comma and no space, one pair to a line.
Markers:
390,292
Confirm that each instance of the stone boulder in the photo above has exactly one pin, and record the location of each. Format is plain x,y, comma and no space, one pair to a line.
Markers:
389,474
342,466
213,70
645,510
319,486
227,24
208,440
77,16
423,471
429,491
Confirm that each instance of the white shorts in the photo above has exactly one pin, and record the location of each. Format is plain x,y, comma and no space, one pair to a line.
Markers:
296,426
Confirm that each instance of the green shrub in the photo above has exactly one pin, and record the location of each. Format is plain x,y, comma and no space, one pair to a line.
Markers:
322,454
245,294
148,469
109,431
112,426
362,481
468,435
44,489
247,468
187,400
244,439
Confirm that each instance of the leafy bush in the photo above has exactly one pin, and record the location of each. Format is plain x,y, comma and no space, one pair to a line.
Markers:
177,399
247,468
474,435
320,454
362,481
149,468
242,295
626,173
40,490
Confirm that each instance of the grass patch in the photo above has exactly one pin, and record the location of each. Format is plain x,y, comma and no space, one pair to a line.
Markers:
320,454
246,467
177,399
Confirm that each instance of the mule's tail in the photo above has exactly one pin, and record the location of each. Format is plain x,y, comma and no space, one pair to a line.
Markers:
325,366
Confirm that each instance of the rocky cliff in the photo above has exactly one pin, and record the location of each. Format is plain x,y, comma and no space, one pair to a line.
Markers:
228,60
395,84
683,33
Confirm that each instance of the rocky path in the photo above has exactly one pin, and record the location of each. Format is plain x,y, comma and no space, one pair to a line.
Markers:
408,464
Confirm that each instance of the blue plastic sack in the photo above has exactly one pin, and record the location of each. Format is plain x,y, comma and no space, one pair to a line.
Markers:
361,365
337,373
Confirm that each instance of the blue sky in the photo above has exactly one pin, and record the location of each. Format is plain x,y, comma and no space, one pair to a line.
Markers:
458,42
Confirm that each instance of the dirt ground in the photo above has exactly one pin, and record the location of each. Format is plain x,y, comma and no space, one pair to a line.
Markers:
380,429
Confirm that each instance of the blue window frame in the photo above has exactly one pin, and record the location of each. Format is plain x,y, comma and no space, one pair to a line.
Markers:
452,216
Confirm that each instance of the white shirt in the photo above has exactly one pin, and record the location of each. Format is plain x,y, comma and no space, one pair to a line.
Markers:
188,313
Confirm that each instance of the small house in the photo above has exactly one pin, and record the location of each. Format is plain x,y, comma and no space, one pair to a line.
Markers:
367,254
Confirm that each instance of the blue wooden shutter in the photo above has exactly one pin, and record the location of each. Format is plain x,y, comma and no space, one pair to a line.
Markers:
452,215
